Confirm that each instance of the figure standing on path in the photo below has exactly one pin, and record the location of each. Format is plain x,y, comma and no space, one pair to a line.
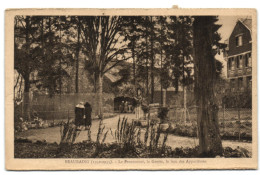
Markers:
88,120
79,114
126,107
139,100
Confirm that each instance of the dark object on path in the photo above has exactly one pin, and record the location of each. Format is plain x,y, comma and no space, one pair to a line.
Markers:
119,104
163,114
88,111
79,114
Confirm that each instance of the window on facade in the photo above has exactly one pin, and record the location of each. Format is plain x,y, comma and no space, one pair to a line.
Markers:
232,83
240,83
240,61
229,64
239,40
232,63
248,60
249,82
237,61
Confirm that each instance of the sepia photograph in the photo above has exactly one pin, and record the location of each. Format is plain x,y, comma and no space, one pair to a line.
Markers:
102,89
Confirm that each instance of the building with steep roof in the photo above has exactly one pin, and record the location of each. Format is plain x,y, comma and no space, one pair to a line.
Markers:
239,56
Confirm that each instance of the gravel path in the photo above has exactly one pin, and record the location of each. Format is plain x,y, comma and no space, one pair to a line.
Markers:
53,135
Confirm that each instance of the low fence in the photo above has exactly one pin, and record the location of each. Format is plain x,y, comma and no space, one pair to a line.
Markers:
234,123
62,106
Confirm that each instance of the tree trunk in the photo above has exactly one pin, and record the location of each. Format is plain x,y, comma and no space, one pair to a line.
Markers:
164,97
100,96
161,50
146,62
152,63
77,61
27,74
60,67
27,105
133,56
96,95
184,105
161,89
204,71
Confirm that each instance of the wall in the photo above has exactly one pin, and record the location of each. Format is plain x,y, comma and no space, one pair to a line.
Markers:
246,38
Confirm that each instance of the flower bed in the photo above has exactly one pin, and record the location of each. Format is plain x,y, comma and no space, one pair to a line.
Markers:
39,123
30,149
229,133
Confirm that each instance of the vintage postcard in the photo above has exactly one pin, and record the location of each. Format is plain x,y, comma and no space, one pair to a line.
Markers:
130,89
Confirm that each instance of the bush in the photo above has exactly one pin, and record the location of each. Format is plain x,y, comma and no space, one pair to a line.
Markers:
163,114
241,100
69,132
27,149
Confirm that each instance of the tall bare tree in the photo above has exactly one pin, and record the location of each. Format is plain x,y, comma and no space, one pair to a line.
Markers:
104,47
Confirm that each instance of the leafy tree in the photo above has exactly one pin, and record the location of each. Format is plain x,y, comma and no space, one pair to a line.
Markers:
40,49
26,54
55,57
132,33
75,45
145,53
162,41
179,50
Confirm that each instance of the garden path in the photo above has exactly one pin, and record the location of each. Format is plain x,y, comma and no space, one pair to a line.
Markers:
52,134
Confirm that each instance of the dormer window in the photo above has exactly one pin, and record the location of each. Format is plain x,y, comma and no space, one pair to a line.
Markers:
239,40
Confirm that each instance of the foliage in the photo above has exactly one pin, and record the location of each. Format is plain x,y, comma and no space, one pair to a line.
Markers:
145,108
26,55
101,128
69,132
103,46
238,99
179,50
121,84
40,49
24,148
163,114
126,134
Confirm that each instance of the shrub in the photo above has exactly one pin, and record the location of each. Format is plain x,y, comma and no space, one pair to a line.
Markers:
68,132
163,114
126,134
145,109
241,100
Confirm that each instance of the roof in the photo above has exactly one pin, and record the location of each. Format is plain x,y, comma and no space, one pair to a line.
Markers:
111,77
112,74
247,22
